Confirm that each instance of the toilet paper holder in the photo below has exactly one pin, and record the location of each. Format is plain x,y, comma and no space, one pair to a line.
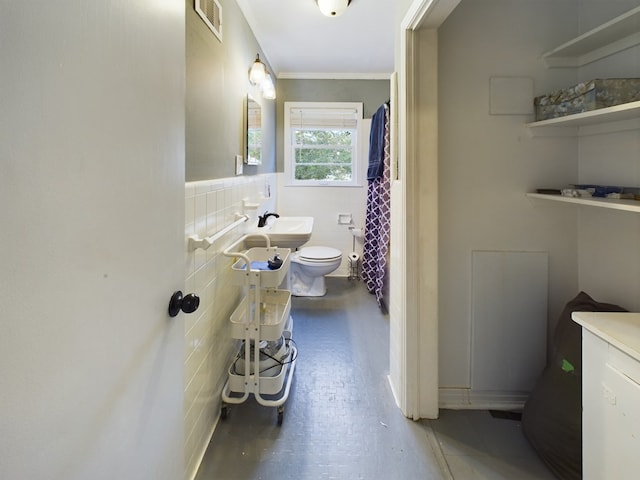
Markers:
354,266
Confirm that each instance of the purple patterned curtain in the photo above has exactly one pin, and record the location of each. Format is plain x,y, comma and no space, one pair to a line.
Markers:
377,222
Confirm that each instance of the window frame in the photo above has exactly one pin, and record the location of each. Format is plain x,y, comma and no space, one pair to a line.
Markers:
357,143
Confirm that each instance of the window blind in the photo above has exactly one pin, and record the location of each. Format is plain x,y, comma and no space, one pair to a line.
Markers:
323,118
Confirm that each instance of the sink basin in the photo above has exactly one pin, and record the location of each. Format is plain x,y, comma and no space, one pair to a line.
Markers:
285,232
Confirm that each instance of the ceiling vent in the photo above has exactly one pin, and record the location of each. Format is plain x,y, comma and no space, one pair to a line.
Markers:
211,13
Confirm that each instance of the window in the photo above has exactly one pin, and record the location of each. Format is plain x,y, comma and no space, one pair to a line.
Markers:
321,143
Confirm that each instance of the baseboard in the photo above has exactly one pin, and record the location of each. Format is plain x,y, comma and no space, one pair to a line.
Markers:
467,399
203,451
394,393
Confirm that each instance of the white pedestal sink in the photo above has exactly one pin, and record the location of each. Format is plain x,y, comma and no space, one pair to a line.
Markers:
285,232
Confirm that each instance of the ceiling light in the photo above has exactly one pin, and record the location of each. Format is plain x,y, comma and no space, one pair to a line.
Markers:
333,8
257,72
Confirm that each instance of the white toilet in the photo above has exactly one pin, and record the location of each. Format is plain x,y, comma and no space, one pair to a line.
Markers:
308,267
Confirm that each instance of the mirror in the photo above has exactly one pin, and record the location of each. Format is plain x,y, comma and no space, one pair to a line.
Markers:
254,132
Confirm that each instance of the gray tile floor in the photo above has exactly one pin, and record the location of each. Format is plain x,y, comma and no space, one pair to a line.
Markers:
341,422
478,446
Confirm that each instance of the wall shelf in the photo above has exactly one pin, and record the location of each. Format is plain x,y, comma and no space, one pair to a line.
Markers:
626,111
613,204
607,39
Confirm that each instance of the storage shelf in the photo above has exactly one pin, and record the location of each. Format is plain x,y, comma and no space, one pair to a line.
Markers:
268,385
607,39
264,278
613,204
626,111
273,314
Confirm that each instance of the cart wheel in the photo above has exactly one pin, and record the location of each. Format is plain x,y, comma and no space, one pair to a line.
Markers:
224,411
280,414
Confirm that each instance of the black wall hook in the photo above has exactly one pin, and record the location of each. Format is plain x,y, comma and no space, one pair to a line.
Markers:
188,304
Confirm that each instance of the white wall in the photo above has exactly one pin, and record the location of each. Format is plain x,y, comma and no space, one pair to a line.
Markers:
487,162
608,241
325,203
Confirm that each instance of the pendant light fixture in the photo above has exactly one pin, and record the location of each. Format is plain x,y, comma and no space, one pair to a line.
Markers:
333,8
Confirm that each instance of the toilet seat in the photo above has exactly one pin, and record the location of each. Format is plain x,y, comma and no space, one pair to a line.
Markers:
319,254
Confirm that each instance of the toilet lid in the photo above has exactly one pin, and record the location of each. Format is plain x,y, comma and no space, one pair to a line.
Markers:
319,253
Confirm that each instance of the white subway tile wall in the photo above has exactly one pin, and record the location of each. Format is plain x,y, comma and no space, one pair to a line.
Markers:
209,207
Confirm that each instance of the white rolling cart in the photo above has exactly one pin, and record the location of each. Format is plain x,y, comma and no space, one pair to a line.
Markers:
266,361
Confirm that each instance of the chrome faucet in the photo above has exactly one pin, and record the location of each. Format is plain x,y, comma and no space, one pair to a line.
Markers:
262,219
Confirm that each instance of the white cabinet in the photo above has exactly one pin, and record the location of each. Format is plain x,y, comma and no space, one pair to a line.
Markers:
610,395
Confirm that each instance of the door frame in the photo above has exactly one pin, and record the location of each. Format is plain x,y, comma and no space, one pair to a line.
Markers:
416,385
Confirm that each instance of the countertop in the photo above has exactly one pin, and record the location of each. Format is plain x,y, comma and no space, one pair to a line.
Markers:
620,329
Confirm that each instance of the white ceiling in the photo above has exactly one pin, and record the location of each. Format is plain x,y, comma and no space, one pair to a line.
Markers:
299,42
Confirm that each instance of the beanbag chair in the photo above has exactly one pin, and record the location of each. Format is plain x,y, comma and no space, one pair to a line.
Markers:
552,415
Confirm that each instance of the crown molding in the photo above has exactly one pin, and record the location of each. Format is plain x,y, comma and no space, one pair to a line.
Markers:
333,76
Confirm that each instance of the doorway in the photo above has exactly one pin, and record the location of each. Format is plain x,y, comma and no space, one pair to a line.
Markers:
414,302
